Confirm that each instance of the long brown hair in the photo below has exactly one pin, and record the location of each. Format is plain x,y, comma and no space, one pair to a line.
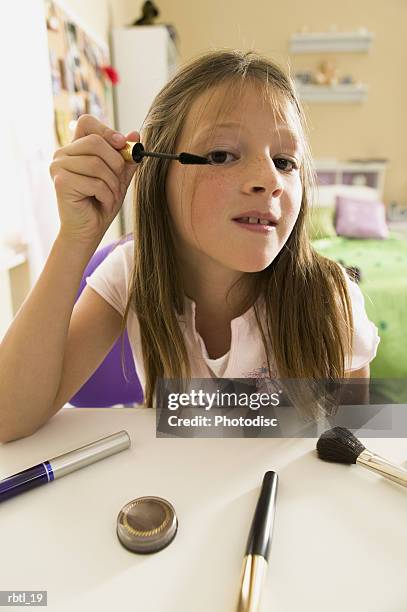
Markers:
308,327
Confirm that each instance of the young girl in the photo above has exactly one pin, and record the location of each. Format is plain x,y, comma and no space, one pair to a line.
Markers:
220,279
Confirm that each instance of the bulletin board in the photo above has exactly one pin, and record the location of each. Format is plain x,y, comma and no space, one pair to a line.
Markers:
78,71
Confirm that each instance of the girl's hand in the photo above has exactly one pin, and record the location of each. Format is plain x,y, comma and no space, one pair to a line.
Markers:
91,179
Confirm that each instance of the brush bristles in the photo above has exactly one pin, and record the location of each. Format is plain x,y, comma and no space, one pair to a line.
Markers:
340,445
190,158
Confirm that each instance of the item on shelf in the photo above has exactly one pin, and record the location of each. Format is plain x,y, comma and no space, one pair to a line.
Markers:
304,77
396,212
111,73
52,18
149,14
359,180
326,74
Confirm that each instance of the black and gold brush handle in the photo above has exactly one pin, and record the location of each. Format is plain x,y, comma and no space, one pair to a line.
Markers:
255,562
134,152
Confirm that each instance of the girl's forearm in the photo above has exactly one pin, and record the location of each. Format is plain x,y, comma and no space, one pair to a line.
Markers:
32,351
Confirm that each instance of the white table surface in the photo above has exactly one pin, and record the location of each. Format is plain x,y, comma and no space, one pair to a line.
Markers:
340,532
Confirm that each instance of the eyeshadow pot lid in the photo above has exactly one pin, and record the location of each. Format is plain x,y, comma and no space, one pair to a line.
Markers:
147,524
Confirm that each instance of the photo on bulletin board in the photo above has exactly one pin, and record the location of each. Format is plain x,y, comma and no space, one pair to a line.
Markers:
79,83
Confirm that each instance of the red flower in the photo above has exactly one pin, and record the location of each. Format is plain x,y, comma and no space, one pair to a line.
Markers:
111,74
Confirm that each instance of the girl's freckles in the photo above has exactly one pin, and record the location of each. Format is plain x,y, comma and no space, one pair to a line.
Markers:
220,178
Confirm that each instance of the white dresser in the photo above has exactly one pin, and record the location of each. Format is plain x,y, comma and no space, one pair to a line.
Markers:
145,57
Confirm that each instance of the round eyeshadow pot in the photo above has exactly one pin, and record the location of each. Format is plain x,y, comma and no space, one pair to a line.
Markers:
147,524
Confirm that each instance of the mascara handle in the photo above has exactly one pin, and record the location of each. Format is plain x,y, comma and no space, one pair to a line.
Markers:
132,152
252,579
261,529
382,466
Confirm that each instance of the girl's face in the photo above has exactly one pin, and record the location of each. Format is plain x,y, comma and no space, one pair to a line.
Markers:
254,172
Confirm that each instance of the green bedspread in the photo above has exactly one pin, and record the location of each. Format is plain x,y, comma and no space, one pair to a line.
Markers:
383,265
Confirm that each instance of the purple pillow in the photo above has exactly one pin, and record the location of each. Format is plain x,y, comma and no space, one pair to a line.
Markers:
356,218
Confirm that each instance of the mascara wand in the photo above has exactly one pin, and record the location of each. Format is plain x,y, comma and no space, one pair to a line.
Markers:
134,151
341,446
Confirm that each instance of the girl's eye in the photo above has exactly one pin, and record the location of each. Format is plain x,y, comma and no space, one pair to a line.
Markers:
283,166
218,157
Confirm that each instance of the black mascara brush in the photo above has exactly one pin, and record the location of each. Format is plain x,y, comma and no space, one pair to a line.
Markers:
340,445
134,151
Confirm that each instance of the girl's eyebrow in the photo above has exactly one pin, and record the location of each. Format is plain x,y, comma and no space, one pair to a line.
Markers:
280,128
219,125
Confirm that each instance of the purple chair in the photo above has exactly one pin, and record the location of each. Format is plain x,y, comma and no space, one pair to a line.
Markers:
107,385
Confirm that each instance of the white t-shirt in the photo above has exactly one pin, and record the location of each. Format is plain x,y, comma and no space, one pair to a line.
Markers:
246,357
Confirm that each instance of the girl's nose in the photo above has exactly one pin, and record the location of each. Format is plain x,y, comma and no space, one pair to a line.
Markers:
263,176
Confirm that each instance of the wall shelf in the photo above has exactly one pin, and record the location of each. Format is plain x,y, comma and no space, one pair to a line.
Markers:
331,93
331,42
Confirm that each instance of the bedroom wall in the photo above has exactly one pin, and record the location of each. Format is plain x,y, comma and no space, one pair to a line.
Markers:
374,128
100,15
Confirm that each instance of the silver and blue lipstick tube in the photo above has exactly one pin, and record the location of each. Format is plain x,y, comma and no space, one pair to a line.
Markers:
63,464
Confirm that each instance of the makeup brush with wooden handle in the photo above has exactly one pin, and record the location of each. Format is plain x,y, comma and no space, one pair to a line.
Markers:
340,445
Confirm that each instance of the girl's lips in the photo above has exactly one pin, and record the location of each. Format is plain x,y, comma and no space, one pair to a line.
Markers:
255,227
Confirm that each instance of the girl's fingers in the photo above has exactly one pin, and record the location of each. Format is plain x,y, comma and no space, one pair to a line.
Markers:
88,125
90,166
133,137
86,187
93,144
94,141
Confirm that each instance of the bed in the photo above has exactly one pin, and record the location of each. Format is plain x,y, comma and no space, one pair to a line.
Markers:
382,264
